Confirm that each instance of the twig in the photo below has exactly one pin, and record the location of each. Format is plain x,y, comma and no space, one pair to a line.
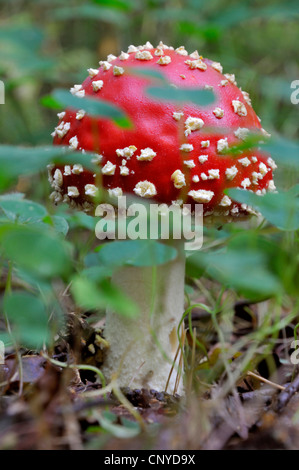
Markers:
65,365
192,361
8,327
179,372
262,379
65,292
289,391
125,402
172,367
133,377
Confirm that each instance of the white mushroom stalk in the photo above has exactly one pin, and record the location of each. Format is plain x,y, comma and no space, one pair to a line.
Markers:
145,352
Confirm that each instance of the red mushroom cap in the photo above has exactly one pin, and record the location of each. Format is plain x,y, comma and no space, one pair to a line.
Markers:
174,152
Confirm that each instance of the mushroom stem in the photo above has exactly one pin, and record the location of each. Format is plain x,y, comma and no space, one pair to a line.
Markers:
142,350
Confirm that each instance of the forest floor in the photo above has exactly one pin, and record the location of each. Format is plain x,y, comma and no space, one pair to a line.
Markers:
46,405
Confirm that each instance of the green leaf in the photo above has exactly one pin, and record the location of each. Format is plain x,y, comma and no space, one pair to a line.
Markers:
280,12
193,95
276,88
91,12
284,151
97,273
23,36
245,272
233,15
252,141
92,295
244,265
81,220
136,253
207,31
39,251
59,223
16,161
22,210
172,13
49,102
147,72
127,430
20,50
125,5
93,107
12,197
280,209
29,319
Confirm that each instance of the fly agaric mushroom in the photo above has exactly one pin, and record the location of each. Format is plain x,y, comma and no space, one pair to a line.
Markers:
174,153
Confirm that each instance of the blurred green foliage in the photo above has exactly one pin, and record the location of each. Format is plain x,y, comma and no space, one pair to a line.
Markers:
50,44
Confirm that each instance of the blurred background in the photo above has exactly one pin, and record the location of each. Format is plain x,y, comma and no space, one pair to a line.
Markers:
46,44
